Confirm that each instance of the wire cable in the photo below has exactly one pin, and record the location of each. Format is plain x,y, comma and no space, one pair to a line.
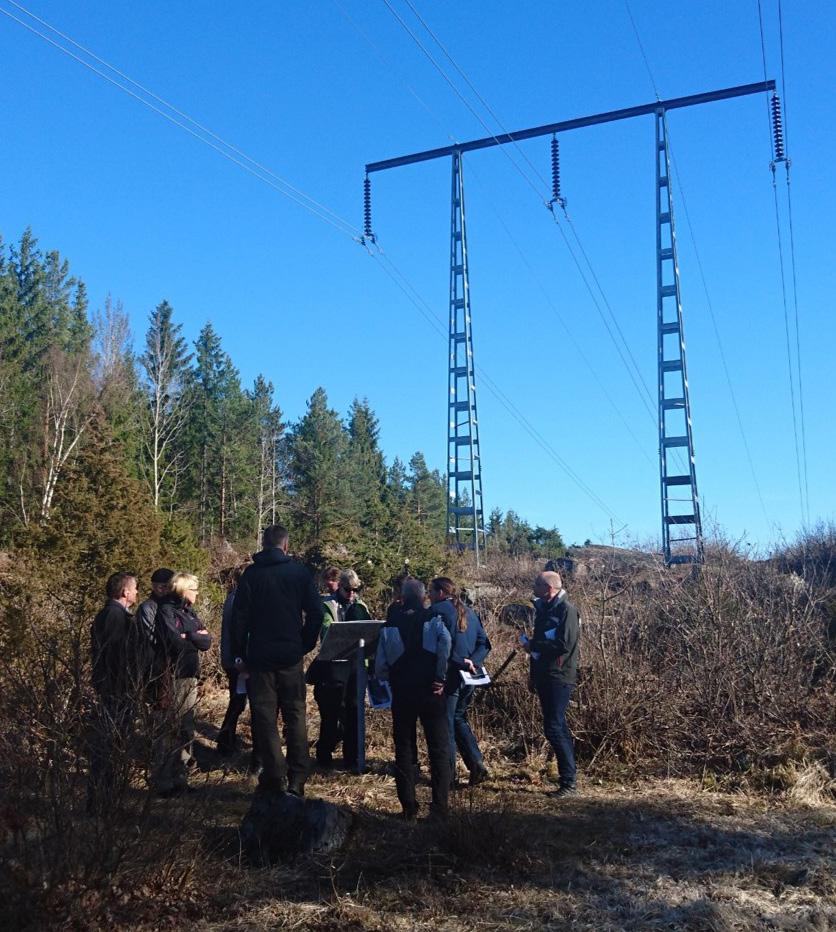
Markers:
792,261
426,311
801,470
521,252
637,379
219,145
641,49
463,99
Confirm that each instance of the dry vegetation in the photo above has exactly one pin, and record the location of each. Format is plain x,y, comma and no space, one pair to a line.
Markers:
705,727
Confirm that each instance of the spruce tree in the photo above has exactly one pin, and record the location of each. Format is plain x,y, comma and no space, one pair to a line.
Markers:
321,493
165,365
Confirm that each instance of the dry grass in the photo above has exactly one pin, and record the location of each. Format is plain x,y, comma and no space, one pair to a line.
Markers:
662,854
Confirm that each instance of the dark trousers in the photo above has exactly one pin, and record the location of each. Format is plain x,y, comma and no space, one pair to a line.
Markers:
271,692
461,734
554,699
337,703
227,740
409,706
109,737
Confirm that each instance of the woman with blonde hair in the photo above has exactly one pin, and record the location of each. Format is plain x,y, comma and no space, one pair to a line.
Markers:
181,636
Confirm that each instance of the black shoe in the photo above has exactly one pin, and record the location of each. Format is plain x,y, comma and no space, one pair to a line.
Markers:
410,815
565,791
254,765
295,788
325,760
479,775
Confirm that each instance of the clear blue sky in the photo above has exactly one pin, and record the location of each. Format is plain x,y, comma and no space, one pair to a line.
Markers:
145,211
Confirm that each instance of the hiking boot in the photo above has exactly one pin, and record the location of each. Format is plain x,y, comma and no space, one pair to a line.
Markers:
296,788
479,775
564,791
410,815
325,760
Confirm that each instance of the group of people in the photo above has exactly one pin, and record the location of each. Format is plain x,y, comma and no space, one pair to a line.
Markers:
149,662
273,617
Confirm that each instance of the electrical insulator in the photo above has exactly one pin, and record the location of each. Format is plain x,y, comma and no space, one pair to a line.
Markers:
556,198
367,209
777,129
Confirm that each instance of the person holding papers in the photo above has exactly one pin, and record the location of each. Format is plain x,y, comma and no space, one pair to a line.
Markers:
470,647
554,653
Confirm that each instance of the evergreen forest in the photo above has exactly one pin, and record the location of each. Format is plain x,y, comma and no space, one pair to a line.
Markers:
121,452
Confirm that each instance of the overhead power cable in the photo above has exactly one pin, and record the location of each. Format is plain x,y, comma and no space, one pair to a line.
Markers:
186,123
623,350
799,436
463,99
709,303
389,65
426,311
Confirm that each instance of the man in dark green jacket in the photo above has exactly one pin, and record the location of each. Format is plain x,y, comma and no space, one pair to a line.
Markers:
335,681
554,652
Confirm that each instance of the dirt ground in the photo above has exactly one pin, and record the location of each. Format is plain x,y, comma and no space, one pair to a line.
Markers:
655,855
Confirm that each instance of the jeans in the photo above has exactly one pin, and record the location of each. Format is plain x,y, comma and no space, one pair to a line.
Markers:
554,698
407,707
461,735
272,691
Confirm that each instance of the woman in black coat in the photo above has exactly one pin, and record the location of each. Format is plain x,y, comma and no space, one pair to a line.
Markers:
181,636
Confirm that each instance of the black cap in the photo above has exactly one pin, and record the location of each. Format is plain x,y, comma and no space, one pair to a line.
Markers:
162,577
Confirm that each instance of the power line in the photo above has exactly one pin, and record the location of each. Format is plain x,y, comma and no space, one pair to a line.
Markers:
800,447
219,145
709,303
415,298
521,252
637,379
461,96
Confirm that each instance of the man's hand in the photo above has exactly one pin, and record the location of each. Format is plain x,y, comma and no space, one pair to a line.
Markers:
524,642
239,665
470,666
438,688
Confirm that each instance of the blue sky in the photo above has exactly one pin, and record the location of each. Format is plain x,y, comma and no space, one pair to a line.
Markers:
314,90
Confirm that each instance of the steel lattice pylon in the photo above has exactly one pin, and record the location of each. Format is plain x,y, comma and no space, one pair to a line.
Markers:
465,519
681,524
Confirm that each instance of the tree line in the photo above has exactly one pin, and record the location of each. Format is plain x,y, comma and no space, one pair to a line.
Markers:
201,456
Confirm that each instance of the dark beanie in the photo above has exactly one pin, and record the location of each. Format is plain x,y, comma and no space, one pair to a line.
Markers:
162,577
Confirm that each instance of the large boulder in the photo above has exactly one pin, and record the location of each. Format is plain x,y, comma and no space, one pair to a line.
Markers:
280,826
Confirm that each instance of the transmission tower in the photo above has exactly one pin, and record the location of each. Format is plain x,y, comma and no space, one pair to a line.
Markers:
465,518
681,525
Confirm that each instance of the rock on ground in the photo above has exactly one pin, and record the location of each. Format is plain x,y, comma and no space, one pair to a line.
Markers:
280,826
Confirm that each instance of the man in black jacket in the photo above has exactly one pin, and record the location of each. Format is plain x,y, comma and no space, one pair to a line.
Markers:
277,615
115,641
554,652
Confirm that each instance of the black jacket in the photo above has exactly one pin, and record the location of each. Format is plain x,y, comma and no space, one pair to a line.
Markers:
555,647
176,618
268,627
116,644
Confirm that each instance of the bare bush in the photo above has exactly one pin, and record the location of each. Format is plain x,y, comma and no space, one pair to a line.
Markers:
725,672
